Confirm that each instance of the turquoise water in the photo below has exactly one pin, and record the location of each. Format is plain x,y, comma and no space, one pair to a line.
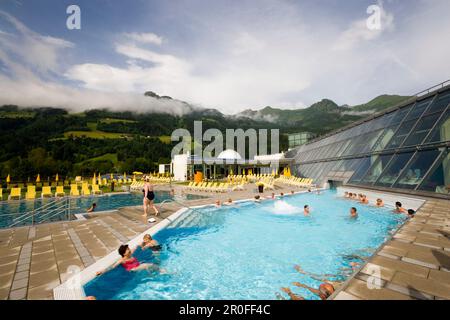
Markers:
10,210
249,251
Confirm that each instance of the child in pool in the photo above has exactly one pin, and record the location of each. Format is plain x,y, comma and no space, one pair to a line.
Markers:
149,243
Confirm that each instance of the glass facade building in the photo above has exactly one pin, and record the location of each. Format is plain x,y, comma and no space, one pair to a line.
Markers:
298,139
405,148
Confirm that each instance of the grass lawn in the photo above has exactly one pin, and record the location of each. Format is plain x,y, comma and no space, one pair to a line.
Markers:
109,156
111,120
95,134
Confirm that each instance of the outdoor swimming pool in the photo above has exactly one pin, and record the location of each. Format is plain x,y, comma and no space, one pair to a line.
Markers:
12,210
249,251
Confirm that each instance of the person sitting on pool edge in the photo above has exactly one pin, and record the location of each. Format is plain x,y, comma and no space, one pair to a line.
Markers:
353,213
92,208
127,261
149,243
306,210
346,195
399,208
379,202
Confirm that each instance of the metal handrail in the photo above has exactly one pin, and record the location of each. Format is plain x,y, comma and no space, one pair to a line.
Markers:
52,209
433,88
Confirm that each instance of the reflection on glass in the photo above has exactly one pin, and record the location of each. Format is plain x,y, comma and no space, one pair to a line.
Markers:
442,130
421,130
420,165
395,168
440,103
377,168
361,170
439,180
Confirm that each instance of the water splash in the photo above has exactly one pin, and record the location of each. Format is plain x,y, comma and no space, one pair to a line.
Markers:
283,208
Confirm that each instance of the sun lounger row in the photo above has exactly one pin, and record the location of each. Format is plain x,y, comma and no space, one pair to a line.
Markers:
208,186
293,181
16,193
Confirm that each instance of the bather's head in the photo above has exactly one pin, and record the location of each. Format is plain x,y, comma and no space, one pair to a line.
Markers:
325,291
124,251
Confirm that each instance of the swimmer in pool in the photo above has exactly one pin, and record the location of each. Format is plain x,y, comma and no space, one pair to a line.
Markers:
257,198
291,295
399,208
128,262
364,199
379,202
325,278
229,202
306,210
149,243
218,204
353,213
324,292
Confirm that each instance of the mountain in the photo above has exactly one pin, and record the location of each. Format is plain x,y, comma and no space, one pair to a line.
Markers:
322,116
53,140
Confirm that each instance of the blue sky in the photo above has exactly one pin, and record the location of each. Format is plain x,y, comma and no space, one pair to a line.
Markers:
231,55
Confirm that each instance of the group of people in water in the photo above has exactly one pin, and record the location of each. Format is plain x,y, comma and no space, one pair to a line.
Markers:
362,198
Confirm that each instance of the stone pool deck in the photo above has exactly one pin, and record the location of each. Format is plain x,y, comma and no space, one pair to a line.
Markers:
414,264
34,260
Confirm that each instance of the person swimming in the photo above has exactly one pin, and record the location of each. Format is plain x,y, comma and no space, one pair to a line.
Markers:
306,210
399,208
257,198
218,204
379,202
229,202
128,262
411,213
149,243
364,199
346,194
353,213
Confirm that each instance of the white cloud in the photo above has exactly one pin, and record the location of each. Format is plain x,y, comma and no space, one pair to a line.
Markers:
149,38
247,57
34,50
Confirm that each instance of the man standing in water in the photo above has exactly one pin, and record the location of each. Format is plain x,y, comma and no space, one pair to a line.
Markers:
353,213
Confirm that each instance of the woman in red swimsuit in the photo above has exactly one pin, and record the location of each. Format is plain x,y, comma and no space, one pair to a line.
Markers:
129,262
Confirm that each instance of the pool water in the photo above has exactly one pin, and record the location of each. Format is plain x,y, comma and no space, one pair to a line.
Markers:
249,251
11,210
